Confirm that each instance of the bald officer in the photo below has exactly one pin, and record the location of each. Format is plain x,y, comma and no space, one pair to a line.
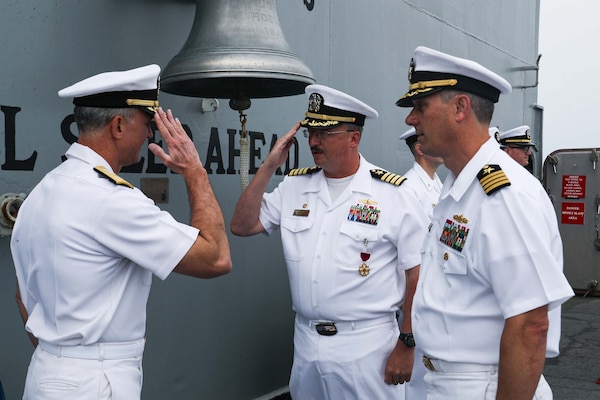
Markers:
351,235
492,258
517,144
86,242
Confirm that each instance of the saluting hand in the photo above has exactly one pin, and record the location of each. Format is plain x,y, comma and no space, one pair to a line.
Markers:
279,152
181,155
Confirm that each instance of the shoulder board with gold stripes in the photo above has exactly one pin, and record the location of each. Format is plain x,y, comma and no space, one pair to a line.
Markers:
114,178
304,171
492,178
388,177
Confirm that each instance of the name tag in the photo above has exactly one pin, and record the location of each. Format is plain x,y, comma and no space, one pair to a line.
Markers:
301,213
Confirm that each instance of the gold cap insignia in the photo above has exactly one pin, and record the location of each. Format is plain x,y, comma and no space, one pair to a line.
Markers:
411,68
314,102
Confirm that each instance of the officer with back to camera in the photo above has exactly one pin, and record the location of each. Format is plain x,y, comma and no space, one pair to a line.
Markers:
86,242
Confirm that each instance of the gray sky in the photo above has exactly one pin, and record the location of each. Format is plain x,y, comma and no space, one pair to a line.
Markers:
569,80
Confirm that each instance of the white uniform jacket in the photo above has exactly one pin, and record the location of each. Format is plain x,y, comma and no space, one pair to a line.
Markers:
323,242
426,189
85,250
487,258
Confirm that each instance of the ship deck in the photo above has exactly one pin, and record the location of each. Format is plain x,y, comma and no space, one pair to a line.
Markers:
575,373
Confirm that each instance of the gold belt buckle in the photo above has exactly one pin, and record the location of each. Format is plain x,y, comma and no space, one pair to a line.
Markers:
428,363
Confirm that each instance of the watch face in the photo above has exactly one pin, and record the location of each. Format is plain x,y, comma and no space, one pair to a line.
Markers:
407,339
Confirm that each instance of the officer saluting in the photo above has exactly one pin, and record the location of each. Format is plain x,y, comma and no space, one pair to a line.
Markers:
351,235
492,259
87,242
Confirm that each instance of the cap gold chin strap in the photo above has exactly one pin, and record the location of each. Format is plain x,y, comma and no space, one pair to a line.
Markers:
432,84
517,141
330,117
142,103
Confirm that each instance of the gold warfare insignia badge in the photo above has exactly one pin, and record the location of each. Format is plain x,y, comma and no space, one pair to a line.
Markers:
314,102
460,218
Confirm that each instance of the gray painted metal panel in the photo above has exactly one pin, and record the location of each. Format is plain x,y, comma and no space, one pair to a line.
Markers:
231,338
572,179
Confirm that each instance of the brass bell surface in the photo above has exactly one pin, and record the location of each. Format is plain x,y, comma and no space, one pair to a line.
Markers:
236,50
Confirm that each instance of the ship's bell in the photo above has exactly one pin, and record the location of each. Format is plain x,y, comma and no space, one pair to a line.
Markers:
236,50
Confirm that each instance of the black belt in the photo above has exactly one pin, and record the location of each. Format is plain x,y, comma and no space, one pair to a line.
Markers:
330,328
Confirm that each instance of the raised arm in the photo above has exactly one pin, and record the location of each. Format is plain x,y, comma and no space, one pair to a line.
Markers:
245,220
209,256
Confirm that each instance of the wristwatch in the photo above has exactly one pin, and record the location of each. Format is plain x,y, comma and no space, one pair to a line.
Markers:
407,339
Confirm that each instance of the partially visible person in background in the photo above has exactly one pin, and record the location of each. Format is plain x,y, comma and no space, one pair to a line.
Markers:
494,132
424,182
517,144
422,178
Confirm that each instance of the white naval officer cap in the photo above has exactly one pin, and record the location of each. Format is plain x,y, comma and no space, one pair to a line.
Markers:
431,71
328,107
517,137
136,87
494,132
410,136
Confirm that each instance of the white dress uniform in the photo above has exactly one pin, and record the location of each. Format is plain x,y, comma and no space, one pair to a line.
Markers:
486,258
426,189
325,243
85,250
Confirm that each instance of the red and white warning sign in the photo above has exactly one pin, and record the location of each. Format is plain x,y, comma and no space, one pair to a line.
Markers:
572,213
573,186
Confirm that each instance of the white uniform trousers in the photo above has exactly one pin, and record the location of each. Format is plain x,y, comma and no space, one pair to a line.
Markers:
347,366
472,386
54,377
415,389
